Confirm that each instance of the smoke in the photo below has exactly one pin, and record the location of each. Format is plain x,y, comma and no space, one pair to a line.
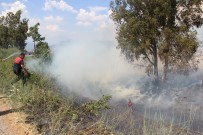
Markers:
93,69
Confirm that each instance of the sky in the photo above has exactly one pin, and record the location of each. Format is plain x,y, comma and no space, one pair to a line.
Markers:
65,21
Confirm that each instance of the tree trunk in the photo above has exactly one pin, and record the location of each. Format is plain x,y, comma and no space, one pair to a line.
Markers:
156,74
34,46
165,72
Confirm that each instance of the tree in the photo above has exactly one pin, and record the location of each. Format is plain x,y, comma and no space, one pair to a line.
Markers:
21,34
180,42
41,48
176,51
12,21
34,33
43,51
4,37
13,30
143,27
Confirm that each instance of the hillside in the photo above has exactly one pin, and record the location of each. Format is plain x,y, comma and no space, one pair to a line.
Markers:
51,111
47,108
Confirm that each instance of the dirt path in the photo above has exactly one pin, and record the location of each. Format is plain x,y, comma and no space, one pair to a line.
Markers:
12,122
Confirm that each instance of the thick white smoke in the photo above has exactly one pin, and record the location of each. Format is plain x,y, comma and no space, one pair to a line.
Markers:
93,69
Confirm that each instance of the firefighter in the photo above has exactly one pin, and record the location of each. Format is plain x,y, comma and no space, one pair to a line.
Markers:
19,69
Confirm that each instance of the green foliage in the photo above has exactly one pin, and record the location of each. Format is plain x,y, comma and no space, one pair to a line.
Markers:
97,106
6,52
6,73
179,47
34,33
43,51
21,35
142,30
41,48
189,13
13,30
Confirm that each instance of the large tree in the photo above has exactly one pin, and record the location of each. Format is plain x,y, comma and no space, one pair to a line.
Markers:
21,34
13,30
143,27
176,51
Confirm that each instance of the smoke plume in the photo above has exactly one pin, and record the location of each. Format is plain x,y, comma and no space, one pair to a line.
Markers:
93,69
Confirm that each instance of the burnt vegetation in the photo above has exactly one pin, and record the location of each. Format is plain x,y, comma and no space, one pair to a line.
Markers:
153,31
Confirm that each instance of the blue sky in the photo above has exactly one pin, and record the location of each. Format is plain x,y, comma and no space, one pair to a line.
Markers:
64,21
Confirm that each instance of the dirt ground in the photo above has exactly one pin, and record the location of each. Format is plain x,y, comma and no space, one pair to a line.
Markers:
12,122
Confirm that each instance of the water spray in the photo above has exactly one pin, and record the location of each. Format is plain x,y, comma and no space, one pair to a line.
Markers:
15,53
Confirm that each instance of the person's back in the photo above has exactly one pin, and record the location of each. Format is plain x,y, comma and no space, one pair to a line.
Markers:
17,65
17,69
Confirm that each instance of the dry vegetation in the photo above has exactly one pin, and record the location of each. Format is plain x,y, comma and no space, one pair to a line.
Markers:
53,113
47,109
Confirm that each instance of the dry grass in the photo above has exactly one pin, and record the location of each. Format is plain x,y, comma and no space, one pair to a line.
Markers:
55,114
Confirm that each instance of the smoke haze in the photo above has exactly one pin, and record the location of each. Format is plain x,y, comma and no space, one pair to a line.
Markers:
93,69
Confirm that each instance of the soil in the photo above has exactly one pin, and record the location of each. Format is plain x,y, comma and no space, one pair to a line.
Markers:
12,122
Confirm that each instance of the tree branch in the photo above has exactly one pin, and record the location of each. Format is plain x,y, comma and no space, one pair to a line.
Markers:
150,61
